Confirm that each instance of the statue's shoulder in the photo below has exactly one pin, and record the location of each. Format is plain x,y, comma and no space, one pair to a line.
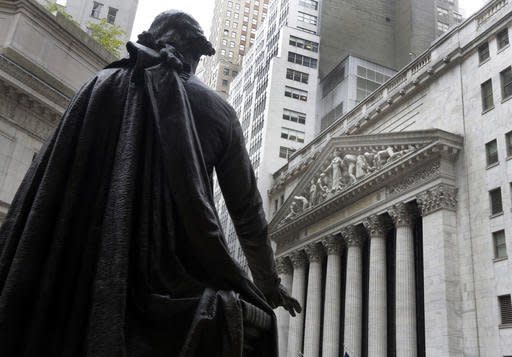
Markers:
204,98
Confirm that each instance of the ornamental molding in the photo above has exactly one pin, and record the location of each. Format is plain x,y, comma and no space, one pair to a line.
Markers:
283,265
352,236
298,259
403,214
33,82
376,226
345,172
314,252
333,244
439,197
420,176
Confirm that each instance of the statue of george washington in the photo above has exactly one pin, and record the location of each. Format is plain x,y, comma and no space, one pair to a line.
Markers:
112,245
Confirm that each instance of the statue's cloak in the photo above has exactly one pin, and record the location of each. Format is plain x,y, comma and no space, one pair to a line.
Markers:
112,246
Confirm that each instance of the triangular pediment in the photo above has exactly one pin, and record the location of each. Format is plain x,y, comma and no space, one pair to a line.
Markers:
348,162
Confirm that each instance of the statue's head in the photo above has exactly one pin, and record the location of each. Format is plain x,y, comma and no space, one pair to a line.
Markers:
179,30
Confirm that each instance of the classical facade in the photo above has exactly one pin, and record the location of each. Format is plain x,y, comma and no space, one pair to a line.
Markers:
44,60
396,224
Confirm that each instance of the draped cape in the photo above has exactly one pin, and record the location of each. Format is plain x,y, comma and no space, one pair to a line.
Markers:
112,245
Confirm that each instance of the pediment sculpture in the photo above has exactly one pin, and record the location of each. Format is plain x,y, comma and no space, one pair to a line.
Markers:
342,169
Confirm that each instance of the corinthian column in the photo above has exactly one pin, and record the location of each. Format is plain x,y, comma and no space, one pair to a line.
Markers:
377,297
352,339
285,270
314,252
332,305
406,340
442,290
296,332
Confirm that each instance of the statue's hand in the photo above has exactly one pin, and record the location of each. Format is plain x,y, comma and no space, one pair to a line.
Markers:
279,297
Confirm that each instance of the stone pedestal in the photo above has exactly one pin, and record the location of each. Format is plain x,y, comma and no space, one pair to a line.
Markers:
332,302
285,271
314,301
406,339
296,332
443,297
352,339
377,299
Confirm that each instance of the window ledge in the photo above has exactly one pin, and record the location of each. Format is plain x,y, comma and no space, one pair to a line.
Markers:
506,99
509,157
484,61
504,326
490,166
496,215
488,110
496,260
503,48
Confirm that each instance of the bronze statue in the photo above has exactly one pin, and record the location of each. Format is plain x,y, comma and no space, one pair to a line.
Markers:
112,246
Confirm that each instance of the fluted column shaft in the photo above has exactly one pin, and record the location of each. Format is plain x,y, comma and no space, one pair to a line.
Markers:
332,302
352,339
405,295
377,298
285,270
314,301
296,331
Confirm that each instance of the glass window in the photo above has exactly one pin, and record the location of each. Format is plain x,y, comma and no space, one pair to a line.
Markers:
292,135
232,44
506,83
234,73
230,4
227,22
96,9
236,15
297,76
500,245
224,83
223,52
505,309
508,142
228,13
491,150
441,11
226,32
302,60
307,18
226,71
224,42
487,98
235,25
441,26
483,52
230,54
294,116
502,39
237,6
311,4
496,203
233,34
296,93
305,44
111,16
285,153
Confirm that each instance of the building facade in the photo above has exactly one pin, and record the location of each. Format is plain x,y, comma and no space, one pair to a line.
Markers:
390,33
117,12
233,32
395,230
44,60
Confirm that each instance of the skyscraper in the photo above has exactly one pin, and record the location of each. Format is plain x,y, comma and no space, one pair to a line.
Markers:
233,32
277,95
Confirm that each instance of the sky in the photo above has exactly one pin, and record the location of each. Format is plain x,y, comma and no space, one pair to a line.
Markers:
202,11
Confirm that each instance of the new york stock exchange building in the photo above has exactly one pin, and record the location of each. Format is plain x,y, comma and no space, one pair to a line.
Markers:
392,227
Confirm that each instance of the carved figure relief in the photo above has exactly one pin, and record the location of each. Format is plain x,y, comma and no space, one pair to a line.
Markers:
341,170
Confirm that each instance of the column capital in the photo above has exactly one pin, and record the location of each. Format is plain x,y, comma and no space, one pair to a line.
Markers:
283,265
298,258
352,236
314,251
402,214
440,197
333,244
375,226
